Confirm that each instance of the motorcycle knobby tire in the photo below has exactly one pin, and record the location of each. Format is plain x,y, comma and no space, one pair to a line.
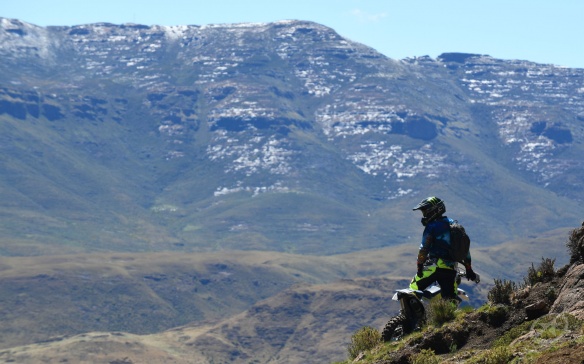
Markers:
394,329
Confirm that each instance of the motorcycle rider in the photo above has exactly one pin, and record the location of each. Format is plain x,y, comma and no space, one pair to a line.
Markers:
433,259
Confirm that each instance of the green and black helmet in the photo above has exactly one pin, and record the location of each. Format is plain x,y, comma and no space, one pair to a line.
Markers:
432,208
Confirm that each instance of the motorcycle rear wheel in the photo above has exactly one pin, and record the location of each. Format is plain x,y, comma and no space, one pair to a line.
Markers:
394,329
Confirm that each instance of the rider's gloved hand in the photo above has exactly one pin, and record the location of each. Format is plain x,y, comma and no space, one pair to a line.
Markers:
420,272
470,274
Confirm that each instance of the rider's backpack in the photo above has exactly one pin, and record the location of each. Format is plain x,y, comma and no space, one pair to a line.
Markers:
459,242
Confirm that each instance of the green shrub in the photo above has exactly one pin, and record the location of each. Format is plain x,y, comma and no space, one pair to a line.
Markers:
498,355
426,356
494,315
543,273
366,338
513,334
441,311
573,323
501,292
551,294
548,327
575,245
552,326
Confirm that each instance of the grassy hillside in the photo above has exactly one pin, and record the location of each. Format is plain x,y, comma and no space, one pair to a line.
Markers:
142,293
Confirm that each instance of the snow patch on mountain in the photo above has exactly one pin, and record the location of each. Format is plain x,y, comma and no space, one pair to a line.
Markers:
20,39
261,153
393,162
355,118
254,191
504,85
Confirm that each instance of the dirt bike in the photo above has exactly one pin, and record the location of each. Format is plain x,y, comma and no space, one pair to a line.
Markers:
412,315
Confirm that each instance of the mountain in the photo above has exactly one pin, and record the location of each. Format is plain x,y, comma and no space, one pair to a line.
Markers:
282,136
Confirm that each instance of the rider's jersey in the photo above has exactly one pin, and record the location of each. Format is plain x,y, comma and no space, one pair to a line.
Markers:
436,240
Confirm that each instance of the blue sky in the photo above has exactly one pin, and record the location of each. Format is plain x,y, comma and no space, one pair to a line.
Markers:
542,31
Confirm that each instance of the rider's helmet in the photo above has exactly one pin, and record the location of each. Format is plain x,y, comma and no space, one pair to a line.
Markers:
432,208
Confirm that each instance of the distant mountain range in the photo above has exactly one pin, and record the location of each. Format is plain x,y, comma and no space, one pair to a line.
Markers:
282,136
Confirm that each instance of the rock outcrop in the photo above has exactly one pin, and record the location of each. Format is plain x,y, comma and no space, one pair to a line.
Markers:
571,296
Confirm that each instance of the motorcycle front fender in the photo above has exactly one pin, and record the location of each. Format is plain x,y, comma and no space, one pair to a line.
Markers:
406,292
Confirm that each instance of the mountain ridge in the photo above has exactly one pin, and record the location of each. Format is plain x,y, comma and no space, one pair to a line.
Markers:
139,138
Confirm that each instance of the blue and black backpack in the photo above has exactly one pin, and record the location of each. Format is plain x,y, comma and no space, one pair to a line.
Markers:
459,242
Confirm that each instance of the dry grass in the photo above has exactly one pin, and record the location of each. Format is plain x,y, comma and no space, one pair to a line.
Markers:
144,293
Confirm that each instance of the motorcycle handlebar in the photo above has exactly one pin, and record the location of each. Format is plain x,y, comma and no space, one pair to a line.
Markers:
477,279
462,274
